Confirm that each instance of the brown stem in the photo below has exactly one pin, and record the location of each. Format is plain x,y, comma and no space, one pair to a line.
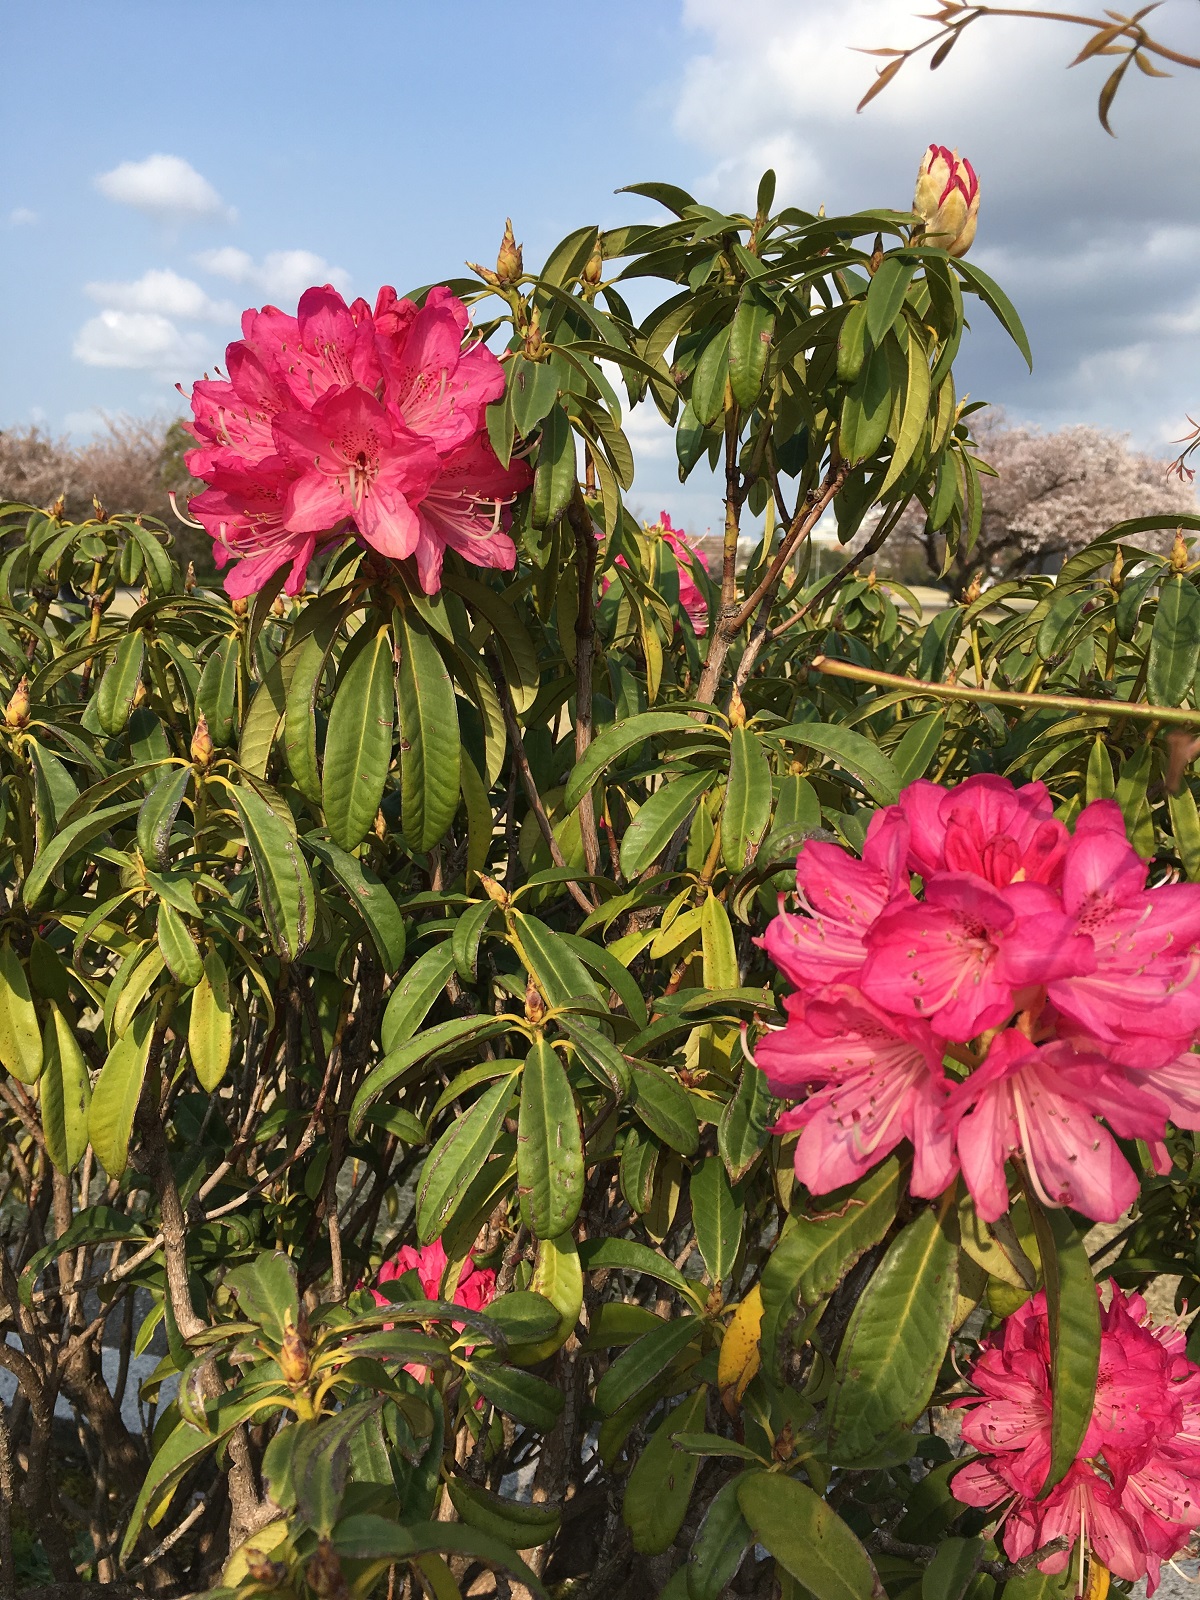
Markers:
580,519
877,538
723,633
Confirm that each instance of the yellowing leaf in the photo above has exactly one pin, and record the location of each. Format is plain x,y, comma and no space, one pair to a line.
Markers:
740,1357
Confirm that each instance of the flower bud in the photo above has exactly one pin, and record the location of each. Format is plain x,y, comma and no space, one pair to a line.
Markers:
535,1006
293,1357
202,745
594,268
239,606
1179,554
323,1573
494,891
57,510
16,713
737,711
189,582
947,200
509,261
271,1574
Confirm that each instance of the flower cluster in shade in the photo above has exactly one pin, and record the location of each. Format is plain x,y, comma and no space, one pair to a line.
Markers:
987,985
475,1289
346,419
1133,1492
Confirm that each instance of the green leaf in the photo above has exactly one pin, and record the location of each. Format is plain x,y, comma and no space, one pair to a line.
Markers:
560,974
554,477
210,1025
458,1157
549,1146
1038,1585
858,756
915,414
1174,642
156,818
747,809
117,1092
663,1105
622,736
532,389
285,890
429,742
216,693
266,1293
114,698
369,898
558,1278
20,1034
358,743
867,407
300,711
918,747
1185,825
721,1541
807,1538
444,1036
749,345
661,1483
366,1537
72,838
1074,1315
521,1526
648,835
711,374
717,1216
65,1093
949,1574
178,947
518,1394
626,1255
636,1368
522,668
414,995
885,295
852,342
896,1340
742,1130
92,1226
997,301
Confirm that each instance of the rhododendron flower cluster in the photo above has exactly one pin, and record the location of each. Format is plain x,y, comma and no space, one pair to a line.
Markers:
1133,1493
987,985
476,1286
343,418
691,600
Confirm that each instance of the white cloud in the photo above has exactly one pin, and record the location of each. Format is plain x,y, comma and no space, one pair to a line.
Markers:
281,275
165,292
22,217
141,340
166,187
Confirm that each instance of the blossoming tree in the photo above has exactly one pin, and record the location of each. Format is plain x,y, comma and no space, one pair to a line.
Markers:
582,1066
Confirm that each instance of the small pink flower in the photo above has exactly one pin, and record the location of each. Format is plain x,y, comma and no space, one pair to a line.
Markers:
870,1080
476,1286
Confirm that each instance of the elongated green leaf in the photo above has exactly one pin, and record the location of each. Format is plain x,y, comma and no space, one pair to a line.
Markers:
533,389
72,838
1174,642
953,1567
626,1255
443,1037
885,295
636,1368
117,1092
661,1483
457,1158
721,1541
369,898
285,890
216,694
358,743
178,947
707,399
414,995
915,414
717,1215
520,1526
156,818
867,407
429,742
521,666
807,1538
549,1146
20,1034
518,1394
742,1130
918,747
622,736
897,1338
464,941
366,1537
664,1107
1185,825
554,476
114,698
210,1025
1074,1314
749,345
857,755
747,809
993,296
667,809
559,972
300,715
717,944
65,1093
852,344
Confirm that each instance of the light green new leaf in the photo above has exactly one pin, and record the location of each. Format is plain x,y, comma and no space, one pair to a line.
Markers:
178,947
65,1093
20,1035
117,1092
210,1026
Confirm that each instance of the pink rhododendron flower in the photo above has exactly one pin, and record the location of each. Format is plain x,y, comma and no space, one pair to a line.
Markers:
874,1080
1060,987
1040,1102
1132,1493
476,1286
690,599
346,419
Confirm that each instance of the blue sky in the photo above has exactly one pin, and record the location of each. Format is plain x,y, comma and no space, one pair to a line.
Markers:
386,140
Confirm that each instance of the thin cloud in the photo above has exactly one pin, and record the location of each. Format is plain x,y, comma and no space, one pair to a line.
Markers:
166,187
141,341
22,217
281,275
165,292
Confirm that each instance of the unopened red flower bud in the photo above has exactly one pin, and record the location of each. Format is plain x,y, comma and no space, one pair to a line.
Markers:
509,261
293,1357
16,713
947,200
202,745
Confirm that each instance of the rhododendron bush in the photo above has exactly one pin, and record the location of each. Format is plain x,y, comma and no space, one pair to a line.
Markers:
544,1057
